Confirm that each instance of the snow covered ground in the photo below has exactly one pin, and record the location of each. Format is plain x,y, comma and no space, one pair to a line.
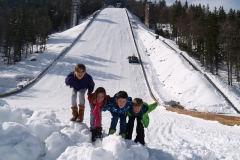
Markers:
35,122
11,76
179,79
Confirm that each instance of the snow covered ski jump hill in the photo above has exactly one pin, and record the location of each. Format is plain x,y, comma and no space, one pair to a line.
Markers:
35,122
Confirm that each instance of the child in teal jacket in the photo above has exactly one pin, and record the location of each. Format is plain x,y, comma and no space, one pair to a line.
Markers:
139,110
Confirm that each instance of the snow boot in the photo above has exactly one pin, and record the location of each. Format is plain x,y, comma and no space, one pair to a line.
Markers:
99,132
123,135
94,131
111,131
140,141
81,113
74,113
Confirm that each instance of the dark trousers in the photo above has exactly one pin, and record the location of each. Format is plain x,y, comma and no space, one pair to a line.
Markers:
114,122
140,129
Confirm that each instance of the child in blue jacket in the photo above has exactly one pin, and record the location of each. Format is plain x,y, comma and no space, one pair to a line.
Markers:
118,106
79,82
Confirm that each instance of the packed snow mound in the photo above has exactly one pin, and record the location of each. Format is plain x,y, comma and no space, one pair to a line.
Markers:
43,123
17,142
85,151
14,115
30,135
111,147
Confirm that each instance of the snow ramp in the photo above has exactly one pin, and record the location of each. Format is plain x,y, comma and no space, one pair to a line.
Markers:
103,48
223,119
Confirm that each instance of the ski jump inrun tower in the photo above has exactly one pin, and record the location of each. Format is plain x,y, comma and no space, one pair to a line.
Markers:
75,12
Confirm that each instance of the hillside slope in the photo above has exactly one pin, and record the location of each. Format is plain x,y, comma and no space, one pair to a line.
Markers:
42,111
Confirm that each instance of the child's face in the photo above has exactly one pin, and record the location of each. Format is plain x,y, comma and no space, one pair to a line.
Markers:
100,97
136,109
80,73
121,102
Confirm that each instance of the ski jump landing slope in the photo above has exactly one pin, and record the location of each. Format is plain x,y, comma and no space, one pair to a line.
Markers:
104,48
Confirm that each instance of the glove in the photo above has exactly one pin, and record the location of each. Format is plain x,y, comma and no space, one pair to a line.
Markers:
101,107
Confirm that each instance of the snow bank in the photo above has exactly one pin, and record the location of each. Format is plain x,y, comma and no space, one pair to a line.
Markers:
111,147
25,134
14,115
56,144
85,151
16,142
43,124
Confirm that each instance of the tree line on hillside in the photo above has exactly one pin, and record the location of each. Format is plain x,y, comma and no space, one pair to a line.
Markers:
212,37
27,23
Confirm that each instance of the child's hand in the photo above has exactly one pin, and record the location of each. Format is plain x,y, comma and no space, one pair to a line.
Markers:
101,107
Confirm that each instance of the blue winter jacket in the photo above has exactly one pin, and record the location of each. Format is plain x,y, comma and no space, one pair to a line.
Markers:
113,107
85,82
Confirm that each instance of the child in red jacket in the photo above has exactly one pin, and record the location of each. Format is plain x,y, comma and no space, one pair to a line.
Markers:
97,99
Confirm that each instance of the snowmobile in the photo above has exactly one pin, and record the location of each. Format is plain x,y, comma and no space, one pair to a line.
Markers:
133,59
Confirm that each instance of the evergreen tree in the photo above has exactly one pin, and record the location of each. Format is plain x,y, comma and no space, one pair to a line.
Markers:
238,47
176,13
221,15
200,34
186,5
8,39
162,3
213,58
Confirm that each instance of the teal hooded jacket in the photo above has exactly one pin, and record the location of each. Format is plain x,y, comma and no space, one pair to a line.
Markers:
146,109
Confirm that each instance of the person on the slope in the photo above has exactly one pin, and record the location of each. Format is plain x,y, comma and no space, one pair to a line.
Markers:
97,99
139,110
79,82
118,106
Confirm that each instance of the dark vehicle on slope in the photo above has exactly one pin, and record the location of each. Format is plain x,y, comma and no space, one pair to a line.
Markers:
133,59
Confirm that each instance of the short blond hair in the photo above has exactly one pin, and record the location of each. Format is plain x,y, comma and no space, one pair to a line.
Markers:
137,102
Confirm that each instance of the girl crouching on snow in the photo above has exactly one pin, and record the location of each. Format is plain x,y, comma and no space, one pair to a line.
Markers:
97,99
79,82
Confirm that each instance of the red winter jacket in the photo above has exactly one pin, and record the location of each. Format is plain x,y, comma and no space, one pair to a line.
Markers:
97,110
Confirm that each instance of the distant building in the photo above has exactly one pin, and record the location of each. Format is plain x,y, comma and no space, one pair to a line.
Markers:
117,3
149,15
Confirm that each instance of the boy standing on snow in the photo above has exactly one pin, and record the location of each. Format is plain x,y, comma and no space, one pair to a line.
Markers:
139,110
79,81
118,106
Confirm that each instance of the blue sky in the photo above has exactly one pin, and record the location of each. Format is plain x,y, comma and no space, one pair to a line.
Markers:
227,4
